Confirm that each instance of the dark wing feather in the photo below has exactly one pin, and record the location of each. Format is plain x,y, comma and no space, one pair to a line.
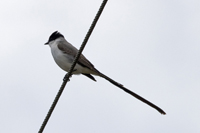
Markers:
89,76
71,50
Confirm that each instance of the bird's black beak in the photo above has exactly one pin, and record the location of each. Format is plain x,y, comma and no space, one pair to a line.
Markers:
46,43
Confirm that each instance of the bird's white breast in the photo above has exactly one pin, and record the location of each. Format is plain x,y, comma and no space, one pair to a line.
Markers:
64,61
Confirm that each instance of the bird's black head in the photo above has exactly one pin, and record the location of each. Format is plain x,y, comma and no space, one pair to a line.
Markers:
54,36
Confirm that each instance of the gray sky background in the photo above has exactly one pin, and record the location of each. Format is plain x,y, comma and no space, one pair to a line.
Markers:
151,47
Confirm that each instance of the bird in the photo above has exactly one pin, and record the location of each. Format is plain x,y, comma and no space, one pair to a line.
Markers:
64,54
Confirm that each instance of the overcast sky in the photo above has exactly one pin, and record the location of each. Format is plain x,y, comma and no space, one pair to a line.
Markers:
151,47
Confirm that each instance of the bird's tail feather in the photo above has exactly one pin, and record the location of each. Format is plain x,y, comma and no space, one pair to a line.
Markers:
132,93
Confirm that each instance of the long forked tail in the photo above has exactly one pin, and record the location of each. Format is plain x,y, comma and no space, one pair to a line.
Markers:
132,93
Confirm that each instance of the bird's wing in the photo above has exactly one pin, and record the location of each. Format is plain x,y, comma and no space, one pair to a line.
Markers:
71,50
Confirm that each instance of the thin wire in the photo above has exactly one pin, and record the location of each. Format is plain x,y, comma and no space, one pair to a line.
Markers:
69,74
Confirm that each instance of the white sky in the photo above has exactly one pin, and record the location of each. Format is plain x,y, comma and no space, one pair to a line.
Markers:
151,47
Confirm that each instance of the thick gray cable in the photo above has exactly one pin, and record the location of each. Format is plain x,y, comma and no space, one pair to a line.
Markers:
69,74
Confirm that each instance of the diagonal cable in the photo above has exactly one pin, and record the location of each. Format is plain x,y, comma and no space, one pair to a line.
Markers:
69,74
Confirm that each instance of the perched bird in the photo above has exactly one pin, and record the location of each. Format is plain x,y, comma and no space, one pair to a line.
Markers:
64,53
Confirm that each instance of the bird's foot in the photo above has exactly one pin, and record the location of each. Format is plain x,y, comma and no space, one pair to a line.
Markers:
65,78
66,75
